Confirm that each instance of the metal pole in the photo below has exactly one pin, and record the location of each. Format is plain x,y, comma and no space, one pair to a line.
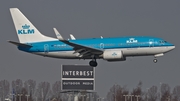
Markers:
0,92
19,96
3,92
160,91
83,97
128,96
115,92
131,97
15,97
137,97
168,98
42,94
87,98
28,90
147,93
27,97
62,98
125,97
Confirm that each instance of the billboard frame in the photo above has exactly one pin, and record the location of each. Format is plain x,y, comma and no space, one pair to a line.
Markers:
77,78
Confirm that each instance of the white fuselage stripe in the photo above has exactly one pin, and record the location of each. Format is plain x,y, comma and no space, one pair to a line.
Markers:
126,52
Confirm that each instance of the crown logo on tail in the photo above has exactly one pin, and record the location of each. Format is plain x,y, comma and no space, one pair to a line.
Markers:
26,30
25,26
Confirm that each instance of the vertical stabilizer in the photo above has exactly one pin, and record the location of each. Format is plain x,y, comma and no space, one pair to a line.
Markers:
26,31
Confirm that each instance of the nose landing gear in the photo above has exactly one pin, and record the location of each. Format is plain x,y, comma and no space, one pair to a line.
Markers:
155,60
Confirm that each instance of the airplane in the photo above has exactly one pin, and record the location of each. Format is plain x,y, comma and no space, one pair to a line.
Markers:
110,49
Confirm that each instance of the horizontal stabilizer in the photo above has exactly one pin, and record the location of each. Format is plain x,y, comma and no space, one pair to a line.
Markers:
19,44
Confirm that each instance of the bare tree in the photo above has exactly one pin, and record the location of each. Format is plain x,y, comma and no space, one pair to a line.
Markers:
111,96
138,92
4,89
176,93
43,91
116,93
56,88
152,93
17,86
25,96
85,96
30,87
50,94
165,91
121,92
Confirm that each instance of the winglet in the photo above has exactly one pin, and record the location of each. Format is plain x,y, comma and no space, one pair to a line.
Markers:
58,35
72,37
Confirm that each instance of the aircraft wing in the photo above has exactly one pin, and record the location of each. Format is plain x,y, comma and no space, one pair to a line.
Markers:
83,50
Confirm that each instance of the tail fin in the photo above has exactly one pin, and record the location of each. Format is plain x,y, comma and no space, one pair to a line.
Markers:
26,31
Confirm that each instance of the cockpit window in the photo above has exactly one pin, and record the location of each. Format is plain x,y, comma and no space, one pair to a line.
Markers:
162,41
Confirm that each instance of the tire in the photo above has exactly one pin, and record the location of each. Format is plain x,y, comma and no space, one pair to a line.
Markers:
93,63
155,60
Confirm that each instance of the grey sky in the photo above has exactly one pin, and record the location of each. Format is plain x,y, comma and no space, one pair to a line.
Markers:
84,19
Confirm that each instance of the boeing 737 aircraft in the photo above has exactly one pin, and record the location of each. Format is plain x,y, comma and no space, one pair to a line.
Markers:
110,49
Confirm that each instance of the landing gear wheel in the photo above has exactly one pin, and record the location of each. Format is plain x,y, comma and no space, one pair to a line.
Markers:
93,63
155,60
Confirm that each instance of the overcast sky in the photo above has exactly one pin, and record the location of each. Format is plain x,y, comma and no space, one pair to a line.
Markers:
88,19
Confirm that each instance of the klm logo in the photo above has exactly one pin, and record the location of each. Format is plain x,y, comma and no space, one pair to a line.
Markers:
26,30
131,40
114,54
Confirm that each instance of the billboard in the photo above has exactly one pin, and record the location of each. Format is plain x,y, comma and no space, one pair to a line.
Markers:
78,84
77,71
77,77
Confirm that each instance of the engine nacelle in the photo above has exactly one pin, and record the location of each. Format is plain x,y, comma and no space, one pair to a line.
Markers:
113,55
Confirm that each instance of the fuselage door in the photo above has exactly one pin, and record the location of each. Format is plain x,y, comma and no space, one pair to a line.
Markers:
101,45
151,42
46,48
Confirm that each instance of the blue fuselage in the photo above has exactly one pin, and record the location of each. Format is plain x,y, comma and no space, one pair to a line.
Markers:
150,46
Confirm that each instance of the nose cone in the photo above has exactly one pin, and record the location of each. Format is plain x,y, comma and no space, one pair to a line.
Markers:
171,47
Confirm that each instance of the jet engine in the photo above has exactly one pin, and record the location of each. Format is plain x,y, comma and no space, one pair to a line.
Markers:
113,55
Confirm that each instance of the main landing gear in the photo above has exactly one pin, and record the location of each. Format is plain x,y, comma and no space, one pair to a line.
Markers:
155,60
93,63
